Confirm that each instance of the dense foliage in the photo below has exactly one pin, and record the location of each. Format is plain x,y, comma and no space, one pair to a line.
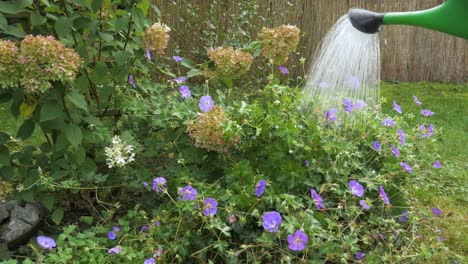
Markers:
159,165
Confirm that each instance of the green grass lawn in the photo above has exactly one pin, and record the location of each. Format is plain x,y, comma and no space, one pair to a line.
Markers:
445,188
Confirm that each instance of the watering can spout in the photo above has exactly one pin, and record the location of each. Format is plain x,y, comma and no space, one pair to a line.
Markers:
450,17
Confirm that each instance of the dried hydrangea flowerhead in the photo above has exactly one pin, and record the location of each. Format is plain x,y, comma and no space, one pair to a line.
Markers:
9,72
229,63
279,42
156,38
119,154
207,131
43,59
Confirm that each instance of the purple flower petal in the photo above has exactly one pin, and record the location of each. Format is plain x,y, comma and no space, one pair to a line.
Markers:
317,199
298,241
331,115
406,167
396,107
356,188
114,250
159,184
210,207
185,91
437,164
206,103
180,79
364,204
111,235
46,242
395,151
348,105
436,211
131,79
283,70
188,193
404,216
416,100
388,122
148,54
383,195
360,255
427,112
376,146
260,187
150,261
177,58
272,221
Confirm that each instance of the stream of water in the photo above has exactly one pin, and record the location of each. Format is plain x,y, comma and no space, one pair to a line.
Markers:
346,65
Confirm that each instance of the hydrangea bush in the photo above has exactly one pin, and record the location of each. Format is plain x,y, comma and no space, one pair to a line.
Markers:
249,179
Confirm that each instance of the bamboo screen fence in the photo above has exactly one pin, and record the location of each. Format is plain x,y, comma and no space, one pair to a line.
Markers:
408,53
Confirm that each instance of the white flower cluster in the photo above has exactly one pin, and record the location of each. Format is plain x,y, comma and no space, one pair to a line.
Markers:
119,154
161,25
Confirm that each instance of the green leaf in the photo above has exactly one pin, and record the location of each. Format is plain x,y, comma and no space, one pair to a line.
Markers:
4,155
51,110
194,72
188,63
26,109
77,155
138,18
3,22
57,216
106,37
121,57
63,26
8,8
81,83
48,201
77,99
23,3
99,74
73,134
14,31
37,19
96,5
26,129
144,6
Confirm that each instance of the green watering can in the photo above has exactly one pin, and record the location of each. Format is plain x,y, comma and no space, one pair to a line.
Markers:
451,17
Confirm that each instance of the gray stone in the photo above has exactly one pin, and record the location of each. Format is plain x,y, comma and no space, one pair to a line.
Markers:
12,204
16,227
29,214
3,212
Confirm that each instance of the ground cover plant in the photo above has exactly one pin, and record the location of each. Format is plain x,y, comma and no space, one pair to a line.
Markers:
142,157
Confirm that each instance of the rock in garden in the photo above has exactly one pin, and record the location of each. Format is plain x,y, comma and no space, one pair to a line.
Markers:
12,204
29,213
3,213
16,227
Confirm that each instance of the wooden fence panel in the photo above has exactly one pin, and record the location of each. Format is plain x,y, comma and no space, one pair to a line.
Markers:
408,53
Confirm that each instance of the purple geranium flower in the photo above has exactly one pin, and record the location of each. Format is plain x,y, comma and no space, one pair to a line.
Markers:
114,250
396,107
185,91
364,204
298,240
354,82
360,255
376,146
437,164
441,239
144,228
426,112
383,195
406,167
210,206
395,151
416,100
148,54
436,211
317,199
283,70
46,242
206,103
348,105
402,136
356,188
359,105
260,187
177,58
150,261
158,253
159,184
116,229
307,163
111,235
188,193
180,79
388,122
271,221
331,115
426,132
145,184
404,216
131,79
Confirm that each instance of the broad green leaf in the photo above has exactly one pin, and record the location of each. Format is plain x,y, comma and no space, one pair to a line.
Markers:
194,72
3,22
96,5
77,155
121,23
81,83
14,31
77,99
106,37
73,134
100,73
139,19
121,57
4,155
26,129
63,26
37,19
22,3
8,7
51,110
188,63
27,109
144,6
48,201
57,216
4,137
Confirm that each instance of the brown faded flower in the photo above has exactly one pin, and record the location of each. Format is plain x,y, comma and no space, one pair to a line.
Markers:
156,38
207,131
9,72
229,63
279,42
